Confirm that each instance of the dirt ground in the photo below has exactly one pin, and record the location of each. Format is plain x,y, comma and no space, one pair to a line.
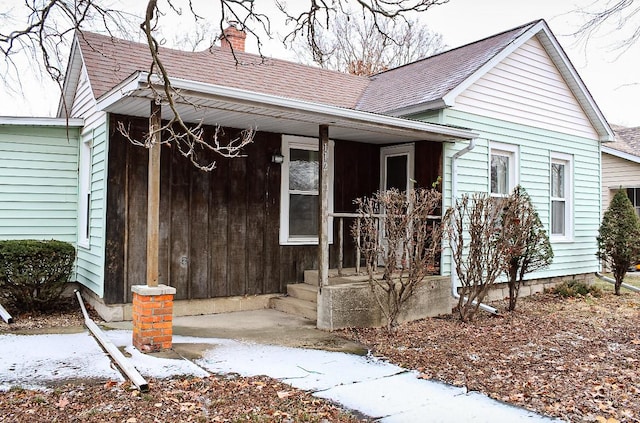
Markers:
573,358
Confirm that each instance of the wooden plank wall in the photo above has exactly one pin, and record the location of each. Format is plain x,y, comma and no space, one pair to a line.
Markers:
219,231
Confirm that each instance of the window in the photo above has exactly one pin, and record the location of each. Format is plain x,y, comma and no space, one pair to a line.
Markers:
84,192
634,196
300,190
503,169
561,190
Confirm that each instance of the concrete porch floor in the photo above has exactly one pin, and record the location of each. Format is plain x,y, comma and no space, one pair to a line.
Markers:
265,326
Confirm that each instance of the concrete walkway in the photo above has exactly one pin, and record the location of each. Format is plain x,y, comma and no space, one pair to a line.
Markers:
264,342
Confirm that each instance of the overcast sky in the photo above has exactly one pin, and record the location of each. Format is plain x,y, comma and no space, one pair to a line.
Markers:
612,78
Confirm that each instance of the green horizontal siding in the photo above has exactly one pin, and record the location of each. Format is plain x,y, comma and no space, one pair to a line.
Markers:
535,149
90,270
38,182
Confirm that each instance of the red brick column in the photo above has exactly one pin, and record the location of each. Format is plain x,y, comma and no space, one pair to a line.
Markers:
152,317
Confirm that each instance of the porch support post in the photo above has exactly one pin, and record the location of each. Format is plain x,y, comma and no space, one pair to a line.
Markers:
323,212
153,196
152,311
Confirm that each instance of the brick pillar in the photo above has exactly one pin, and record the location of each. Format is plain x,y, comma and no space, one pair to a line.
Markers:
152,317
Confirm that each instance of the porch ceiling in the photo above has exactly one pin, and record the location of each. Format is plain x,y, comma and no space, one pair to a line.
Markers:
215,105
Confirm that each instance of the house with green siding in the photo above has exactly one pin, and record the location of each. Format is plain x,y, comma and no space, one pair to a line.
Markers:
39,178
509,109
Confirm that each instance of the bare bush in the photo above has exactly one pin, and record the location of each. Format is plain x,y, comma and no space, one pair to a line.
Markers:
528,247
399,231
474,231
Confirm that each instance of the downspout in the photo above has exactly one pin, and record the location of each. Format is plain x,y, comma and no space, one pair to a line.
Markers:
121,361
613,281
454,196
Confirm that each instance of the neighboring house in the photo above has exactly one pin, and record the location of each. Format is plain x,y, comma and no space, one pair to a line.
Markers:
621,166
509,109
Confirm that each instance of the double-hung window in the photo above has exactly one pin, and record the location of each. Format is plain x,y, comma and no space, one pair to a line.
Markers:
561,189
84,192
634,197
300,184
503,175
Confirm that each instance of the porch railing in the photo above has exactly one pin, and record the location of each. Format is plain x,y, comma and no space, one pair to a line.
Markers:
358,218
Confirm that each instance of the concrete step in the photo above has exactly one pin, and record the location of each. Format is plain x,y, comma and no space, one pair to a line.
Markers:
303,291
349,276
294,306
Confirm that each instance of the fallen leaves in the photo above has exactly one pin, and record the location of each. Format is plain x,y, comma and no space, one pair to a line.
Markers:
215,398
575,359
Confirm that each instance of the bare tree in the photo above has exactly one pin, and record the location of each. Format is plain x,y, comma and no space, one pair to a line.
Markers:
41,28
202,36
355,45
623,16
527,244
474,231
406,239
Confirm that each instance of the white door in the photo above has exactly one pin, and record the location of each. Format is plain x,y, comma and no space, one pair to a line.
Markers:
396,171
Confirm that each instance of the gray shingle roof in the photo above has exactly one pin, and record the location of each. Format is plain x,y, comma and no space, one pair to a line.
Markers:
109,61
627,140
432,78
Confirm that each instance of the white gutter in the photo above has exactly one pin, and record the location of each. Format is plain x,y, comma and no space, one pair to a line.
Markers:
620,154
454,196
121,361
138,81
613,281
41,121
5,315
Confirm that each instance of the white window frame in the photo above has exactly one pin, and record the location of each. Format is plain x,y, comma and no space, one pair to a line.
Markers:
398,150
302,143
567,161
84,193
513,155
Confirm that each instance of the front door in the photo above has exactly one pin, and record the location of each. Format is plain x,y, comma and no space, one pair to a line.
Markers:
396,171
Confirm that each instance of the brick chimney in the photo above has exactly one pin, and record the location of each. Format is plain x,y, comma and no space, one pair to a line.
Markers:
232,37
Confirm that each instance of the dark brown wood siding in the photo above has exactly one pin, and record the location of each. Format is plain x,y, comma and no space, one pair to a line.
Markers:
219,230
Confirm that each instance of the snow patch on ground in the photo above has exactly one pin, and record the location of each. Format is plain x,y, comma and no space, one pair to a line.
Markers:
31,361
370,386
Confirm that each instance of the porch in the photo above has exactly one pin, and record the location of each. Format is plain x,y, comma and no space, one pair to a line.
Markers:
347,300
221,233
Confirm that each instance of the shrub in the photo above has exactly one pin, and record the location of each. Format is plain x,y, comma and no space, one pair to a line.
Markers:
576,289
407,244
475,234
33,273
618,237
528,248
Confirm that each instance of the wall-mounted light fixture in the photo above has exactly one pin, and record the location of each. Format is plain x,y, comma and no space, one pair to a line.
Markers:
277,158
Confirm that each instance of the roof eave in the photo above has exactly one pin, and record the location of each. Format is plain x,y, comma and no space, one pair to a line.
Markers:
575,83
41,121
620,154
74,67
415,109
138,81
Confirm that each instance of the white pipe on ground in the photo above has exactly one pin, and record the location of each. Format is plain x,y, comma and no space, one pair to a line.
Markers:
454,196
122,362
5,315
613,281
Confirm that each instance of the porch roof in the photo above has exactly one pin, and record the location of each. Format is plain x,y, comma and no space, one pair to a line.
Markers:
240,108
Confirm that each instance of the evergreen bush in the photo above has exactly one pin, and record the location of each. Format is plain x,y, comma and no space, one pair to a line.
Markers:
33,273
